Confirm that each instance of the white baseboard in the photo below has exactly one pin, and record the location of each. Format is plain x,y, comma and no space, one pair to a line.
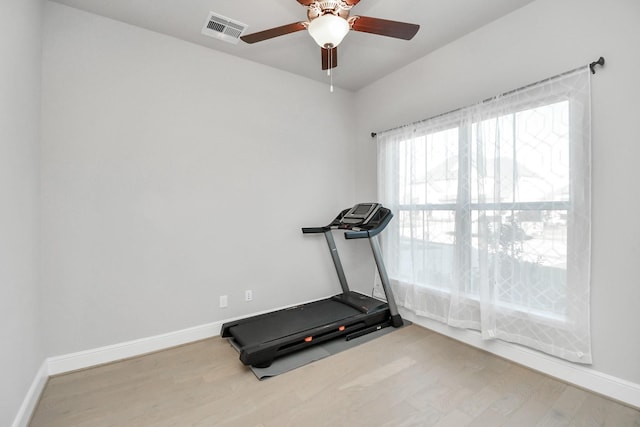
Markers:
31,399
111,353
581,376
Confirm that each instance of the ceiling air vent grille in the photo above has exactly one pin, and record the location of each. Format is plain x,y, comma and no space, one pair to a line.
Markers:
223,28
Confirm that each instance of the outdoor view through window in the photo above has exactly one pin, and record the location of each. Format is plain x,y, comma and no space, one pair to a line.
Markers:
518,197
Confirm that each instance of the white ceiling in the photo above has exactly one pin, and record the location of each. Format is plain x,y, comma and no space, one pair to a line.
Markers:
362,58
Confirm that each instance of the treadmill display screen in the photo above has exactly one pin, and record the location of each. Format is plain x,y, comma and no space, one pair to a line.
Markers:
362,210
360,213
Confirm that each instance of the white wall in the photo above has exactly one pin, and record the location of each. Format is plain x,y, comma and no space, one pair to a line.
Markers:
173,174
21,353
540,40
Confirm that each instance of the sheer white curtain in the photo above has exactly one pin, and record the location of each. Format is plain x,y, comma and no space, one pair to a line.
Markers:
492,226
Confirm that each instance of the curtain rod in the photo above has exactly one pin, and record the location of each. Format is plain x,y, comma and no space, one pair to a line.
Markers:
592,65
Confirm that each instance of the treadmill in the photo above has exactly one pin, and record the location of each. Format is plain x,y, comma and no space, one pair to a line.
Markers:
261,339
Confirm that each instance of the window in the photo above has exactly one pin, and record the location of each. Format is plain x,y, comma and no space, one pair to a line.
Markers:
492,212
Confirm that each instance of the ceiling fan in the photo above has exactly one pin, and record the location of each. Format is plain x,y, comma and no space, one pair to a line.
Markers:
329,22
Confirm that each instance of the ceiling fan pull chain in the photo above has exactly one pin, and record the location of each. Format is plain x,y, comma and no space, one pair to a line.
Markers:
329,70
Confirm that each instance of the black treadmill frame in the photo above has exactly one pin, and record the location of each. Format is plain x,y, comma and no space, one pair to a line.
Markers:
368,314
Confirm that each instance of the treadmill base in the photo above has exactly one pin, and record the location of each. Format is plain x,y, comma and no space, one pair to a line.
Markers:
311,354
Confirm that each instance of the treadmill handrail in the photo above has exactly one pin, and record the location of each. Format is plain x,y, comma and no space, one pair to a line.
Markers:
307,230
356,234
369,233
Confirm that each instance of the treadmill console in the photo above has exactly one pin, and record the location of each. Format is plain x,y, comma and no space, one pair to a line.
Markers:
364,220
360,213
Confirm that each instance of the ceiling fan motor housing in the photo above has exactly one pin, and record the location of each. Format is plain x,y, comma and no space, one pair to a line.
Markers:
336,7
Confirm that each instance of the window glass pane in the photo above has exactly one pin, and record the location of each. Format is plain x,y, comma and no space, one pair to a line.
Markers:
492,160
527,257
442,166
529,162
428,168
542,153
426,247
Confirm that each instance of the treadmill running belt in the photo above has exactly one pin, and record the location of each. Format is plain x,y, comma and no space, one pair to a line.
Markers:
286,322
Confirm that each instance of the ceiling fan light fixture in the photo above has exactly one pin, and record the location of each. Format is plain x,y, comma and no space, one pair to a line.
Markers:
328,30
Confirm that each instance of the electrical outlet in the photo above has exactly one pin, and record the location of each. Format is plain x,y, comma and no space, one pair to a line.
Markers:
248,295
224,301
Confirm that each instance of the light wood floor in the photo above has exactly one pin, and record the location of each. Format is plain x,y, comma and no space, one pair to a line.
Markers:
411,377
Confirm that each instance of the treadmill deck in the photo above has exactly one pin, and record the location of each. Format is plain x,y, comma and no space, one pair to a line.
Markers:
277,325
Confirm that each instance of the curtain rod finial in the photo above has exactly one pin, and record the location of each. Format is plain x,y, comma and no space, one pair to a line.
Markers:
599,62
373,134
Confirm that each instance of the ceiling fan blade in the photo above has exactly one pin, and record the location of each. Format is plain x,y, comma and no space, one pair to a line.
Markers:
384,27
329,58
273,32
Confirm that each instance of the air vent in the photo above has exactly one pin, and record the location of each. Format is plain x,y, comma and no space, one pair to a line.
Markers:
222,28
